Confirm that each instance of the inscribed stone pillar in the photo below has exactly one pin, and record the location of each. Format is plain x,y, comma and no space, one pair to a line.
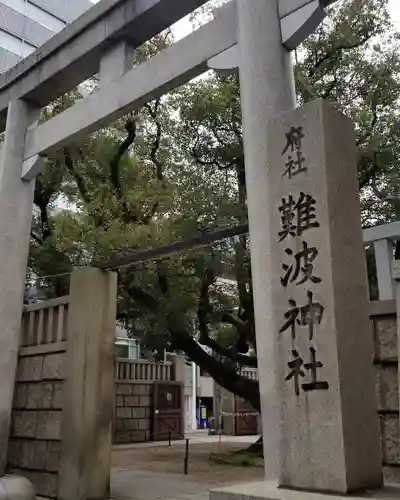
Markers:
16,198
328,423
89,387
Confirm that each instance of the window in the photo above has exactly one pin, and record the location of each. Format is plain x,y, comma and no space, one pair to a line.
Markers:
44,18
134,349
37,14
121,351
15,45
127,348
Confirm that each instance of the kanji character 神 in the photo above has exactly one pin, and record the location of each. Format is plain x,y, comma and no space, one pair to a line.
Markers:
309,315
292,318
303,263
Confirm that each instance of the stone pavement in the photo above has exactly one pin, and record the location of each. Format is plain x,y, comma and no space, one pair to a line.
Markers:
129,482
145,485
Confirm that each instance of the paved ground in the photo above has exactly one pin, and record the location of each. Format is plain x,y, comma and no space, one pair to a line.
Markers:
143,485
149,472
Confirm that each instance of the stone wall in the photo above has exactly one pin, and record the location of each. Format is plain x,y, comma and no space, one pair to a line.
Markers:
35,441
136,385
383,316
63,390
133,411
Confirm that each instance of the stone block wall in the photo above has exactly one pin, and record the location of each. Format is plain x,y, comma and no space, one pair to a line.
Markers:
35,440
133,411
383,316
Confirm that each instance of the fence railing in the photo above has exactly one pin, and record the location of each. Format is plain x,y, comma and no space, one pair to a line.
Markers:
382,238
251,373
44,322
128,369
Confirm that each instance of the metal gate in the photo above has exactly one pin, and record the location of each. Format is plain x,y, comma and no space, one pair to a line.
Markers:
246,418
168,411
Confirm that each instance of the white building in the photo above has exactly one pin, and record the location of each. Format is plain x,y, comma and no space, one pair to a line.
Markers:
198,386
25,25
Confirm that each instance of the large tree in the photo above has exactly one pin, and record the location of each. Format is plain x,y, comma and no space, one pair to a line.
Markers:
176,166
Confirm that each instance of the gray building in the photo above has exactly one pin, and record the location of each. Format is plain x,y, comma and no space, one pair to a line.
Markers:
27,24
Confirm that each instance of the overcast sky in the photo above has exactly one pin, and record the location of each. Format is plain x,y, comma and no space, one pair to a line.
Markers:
183,26
395,12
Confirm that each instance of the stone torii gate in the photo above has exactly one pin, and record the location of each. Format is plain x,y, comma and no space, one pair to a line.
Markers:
261,32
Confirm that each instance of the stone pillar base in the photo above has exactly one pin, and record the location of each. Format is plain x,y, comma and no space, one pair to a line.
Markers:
16,488
268,490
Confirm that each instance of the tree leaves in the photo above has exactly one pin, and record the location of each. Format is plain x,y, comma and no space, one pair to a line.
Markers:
176,166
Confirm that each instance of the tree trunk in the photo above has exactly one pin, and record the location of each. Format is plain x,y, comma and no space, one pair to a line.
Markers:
224,375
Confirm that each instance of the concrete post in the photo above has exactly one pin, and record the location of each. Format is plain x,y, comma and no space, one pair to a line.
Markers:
267,89
89,391
16,197
396,277
115,62
194,397
179,371
383,259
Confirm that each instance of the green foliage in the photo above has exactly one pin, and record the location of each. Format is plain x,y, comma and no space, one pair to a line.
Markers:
177,166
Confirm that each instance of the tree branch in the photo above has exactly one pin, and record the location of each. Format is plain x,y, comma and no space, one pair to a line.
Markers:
225,376
41,199
233,320
153,112
130,128
202,315
144,298
370,172
80,181
162,278
339,48
36,238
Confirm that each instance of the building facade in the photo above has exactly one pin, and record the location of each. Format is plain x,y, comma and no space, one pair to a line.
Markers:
25,25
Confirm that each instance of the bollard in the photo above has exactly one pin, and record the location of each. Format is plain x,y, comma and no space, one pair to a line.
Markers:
186,462
169,437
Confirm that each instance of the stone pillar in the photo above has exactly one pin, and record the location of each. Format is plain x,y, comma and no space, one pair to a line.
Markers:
89,388
267,89
396,277
16,197
193,412
217,407
318,298
384,259
179,368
